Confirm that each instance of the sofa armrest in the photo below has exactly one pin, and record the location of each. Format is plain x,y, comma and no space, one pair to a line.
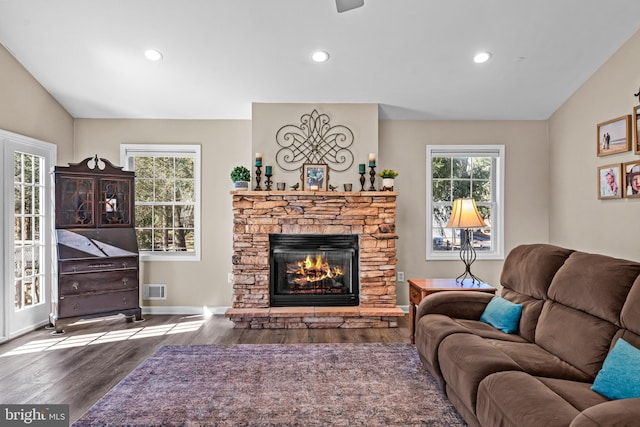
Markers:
623,412
457,304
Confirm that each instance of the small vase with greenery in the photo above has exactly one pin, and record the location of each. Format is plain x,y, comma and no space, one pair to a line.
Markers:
388,173
241,177
388,176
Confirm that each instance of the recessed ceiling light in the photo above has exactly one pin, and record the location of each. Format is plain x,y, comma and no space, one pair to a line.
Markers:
320,56
153,55
482,57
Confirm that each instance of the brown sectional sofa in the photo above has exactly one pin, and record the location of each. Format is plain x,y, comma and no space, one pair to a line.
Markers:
575,307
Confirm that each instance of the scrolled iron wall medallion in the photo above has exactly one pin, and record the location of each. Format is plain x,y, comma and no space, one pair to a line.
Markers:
314,141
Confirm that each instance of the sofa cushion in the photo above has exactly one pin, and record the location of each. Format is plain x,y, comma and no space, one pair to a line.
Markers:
531,309
578,394
433,328
619,377
619,413
527,273
538,362
529,269
465,359
595,284
520,400
502,314
577,337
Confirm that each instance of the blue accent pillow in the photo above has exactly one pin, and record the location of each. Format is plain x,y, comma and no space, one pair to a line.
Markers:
502,314
619,377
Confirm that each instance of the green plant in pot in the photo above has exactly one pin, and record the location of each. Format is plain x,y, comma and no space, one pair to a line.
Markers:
241,177
388,176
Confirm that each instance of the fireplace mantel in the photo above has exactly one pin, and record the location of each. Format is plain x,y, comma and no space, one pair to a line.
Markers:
371,215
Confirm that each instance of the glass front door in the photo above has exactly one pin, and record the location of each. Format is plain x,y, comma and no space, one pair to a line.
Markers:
27,237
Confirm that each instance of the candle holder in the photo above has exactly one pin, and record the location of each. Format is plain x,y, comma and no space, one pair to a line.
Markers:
362,181
372,179
268,181
258,173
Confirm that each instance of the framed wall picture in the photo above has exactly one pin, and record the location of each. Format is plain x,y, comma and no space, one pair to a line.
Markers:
636,127
315,177
632,179
614,136
610,181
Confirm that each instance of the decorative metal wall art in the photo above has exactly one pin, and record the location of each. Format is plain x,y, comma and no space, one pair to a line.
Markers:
314,141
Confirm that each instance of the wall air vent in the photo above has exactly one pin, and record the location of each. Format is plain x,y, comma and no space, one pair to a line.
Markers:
154,292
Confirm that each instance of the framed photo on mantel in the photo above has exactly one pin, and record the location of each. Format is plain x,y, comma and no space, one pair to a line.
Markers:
315,177
614,136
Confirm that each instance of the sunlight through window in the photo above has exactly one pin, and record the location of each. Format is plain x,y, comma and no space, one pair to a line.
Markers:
105,337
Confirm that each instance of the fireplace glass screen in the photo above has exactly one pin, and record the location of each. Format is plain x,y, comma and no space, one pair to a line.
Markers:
313,270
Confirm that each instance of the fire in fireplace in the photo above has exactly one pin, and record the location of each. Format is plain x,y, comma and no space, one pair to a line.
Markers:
310,269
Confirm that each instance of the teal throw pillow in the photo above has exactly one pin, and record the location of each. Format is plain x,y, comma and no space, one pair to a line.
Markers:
619,377
502,314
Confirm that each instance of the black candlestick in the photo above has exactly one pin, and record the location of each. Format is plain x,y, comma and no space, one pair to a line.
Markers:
268,181
362,181
372,174
258,173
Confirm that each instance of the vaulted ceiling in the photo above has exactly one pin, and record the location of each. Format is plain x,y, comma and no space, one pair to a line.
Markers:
413,57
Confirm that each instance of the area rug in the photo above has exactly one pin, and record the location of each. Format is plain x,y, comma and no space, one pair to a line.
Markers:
277,385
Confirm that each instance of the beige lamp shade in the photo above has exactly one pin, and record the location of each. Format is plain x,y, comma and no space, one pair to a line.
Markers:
465,215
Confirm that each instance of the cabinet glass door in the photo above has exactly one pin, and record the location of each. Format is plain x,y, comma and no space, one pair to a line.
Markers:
115,202
75,203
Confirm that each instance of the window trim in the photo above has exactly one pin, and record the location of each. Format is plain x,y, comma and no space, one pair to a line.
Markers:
497,151
129,151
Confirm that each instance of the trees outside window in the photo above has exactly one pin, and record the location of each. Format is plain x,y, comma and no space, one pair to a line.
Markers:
167,205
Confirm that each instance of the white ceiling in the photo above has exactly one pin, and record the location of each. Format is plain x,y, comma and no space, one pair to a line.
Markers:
413,57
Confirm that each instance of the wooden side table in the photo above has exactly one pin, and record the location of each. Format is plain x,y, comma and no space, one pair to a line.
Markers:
420,288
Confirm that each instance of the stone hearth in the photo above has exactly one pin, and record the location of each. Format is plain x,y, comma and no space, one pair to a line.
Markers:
370,215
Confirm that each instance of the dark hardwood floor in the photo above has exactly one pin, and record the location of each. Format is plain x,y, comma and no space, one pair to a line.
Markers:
80,366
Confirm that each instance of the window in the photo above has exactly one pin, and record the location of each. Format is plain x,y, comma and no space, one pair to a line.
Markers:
167,205
461,171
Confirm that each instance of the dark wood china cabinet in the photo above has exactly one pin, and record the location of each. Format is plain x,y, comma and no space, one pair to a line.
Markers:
96,243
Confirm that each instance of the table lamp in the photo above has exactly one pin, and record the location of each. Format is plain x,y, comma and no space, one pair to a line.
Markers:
465,215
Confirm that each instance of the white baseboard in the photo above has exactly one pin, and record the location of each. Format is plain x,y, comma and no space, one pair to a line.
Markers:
183,310
179,310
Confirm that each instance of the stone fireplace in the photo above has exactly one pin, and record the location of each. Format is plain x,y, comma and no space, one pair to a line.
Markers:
262,217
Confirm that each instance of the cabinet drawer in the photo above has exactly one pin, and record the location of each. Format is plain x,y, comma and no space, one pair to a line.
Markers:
80,305
80,283
97,264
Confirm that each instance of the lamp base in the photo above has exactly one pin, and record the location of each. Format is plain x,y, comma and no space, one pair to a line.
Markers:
468,256
475,281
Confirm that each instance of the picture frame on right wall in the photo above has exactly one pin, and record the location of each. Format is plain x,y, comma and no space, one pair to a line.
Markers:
609,182
614,136
631,172
636,126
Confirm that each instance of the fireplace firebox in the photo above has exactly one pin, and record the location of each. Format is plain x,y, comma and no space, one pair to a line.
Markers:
313,270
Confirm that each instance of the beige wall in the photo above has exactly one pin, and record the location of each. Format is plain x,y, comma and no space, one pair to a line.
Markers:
403,147
27,109
577,218
361,119
224,143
